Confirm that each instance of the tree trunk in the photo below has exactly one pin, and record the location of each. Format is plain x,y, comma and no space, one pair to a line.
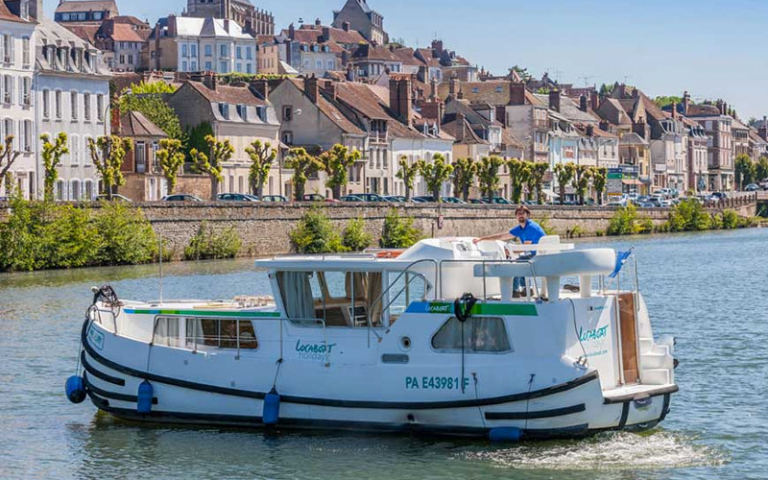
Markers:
407,193
336,192
465,193
214,187
260,191
48,195
299,193
562,194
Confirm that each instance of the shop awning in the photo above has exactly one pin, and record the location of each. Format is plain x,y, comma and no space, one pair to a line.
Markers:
631,182
549,193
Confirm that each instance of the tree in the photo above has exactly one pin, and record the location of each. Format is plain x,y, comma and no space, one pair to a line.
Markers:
213,164
488,175
336,163
262,157
517,174
303,165
157,111
529,179
745,170
521,72
107,155
464,170
171,160
564,174
407,174
435,173
581,181
7,158
52,153
599,182
761,169
538,171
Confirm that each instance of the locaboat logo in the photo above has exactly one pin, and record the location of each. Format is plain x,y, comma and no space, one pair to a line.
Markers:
314,351
439,308
594,334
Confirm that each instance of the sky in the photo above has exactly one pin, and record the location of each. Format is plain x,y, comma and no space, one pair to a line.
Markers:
711,48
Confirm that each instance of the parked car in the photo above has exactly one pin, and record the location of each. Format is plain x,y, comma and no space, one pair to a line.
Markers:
719,195
752,187
497,200
618,202
274,199
423,199
395,199
452,200
351,198
236,197
370,197
182,197
476,201
316,197
115,197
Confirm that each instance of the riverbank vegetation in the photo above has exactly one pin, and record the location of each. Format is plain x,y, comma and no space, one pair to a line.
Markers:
44,235
687,216
207,244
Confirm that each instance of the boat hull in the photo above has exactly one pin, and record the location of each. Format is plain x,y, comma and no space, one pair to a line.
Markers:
574,408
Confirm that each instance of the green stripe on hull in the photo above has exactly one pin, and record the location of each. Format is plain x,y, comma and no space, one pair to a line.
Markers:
506,309
205,313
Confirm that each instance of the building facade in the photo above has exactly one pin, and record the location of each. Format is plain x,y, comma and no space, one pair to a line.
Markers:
362,18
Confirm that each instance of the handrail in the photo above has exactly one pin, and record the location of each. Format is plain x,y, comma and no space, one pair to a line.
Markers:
484,262
392,283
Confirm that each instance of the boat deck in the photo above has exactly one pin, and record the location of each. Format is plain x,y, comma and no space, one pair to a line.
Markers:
637,391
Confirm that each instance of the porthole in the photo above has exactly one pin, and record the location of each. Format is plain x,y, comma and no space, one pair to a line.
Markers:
405,343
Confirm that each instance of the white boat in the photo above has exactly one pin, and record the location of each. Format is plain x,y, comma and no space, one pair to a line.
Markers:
374,342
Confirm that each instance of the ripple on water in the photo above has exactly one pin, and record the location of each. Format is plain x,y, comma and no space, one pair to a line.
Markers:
608,451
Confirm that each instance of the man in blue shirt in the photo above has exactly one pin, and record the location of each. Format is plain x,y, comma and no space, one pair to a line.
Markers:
528,232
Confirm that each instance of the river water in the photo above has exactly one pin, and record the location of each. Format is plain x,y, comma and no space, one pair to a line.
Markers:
709,290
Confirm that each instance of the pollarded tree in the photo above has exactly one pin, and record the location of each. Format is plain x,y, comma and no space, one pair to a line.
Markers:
52,153
517,175
7,158
213,163
303,165
464,171
599,182
761,169
538,171
336,163
407,174
107,155
564,173
744,170
435,173
262,157
488,175
581,181
171,159
530,179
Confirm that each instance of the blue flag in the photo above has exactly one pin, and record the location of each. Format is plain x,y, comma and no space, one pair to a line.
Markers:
621,259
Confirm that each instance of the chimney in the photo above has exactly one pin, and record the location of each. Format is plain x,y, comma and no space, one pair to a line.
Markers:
762,130
172,27
640,129
210,80
674,110
595,100
725,108
400,98
462,124
433,89
291,31
226,25
423,74
686,102
261,87
326,34
437,47
516,93
605,126
330,87
590,130
583,103
635,93
554,100
311,88
345,26
454,86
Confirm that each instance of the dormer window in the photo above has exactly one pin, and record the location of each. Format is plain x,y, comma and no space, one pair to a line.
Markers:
262,113
224,110
242,112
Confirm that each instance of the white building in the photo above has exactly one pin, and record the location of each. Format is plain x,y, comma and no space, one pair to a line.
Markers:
188,44
71,96
17,114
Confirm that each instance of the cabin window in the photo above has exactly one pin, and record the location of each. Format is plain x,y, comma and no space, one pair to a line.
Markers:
204,332
166,332
337,299
481,334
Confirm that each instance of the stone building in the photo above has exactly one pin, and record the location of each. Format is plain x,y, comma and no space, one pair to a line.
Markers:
141,169
362,18
251,19
239,113
85,12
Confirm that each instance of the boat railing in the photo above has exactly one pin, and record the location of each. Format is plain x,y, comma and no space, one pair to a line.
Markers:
484,263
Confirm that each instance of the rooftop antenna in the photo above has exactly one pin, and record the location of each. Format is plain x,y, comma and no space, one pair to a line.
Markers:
586,79
626,79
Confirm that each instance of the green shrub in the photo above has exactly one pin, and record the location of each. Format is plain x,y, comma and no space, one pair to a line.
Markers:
316,234
355,237
716,221
209,245
600,233
399,232
623,221
731,220
644,225
544,224
126,235
40,235
689,216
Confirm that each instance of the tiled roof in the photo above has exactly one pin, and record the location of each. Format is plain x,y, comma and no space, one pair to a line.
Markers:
737,125
632,139
569,109
126,33
228,94
755,137
406,55
86,32
426,56
371,52
52,33
462,130
702,110
87,6
6,14
135,124
509,139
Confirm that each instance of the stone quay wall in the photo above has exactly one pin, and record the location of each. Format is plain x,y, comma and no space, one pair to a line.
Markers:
265,229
